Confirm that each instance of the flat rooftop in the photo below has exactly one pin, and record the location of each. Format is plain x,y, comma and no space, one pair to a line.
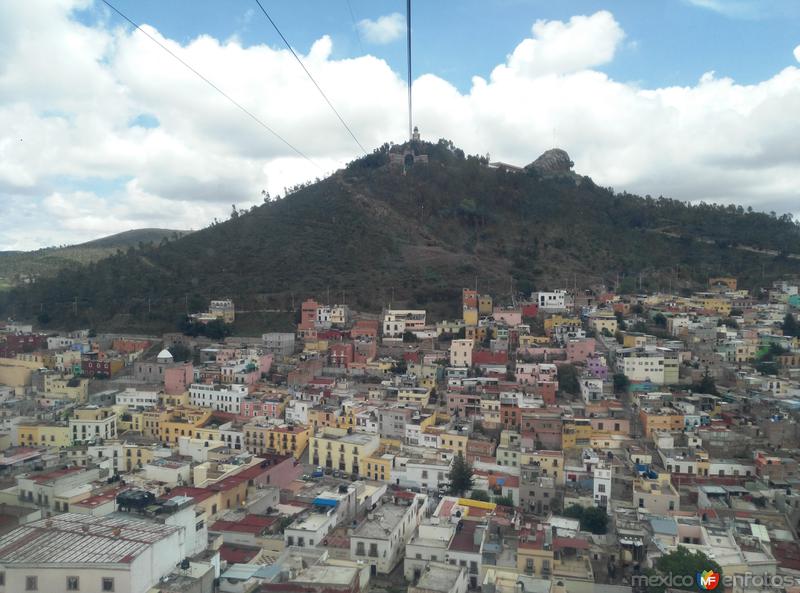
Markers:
438,577
72,538
384,521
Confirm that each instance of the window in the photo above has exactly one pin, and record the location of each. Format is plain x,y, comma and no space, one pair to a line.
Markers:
72,584
108,584
31,584
360,549
601,487
2,578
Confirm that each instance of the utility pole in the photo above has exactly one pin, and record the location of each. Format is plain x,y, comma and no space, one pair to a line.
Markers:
75,307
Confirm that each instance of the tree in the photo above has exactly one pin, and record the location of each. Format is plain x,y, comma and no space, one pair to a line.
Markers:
621,383
790,326
480,495
681,568
505,501
43,318
568,379
660,320
592,519
216,329
460,476
180,353
409,336
706,384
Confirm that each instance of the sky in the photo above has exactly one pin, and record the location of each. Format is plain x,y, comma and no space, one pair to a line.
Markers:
102,131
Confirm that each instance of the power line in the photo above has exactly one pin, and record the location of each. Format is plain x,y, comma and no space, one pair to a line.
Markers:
299,61
355,25
212,85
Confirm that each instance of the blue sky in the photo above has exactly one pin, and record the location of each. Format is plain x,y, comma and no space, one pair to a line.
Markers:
670,42
104,132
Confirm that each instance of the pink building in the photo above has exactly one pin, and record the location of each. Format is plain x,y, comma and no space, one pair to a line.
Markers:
579,350
177,378
270,408
511,317
341,354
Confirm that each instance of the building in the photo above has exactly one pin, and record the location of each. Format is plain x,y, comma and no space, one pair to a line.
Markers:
76,552
656,493
441,578
396,322
551,301
91,423
381,539
341,449
461,353
284,439
224,398
133,398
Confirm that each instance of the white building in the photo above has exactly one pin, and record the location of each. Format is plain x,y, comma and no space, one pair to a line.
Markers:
396,322
225,398
428,545
297,411
309,531
89,424
602,485
59,342
381,540
591,390
133,398
427,473
551,301
74,552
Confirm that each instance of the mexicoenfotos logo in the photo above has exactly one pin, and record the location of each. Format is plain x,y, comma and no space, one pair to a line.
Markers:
708,580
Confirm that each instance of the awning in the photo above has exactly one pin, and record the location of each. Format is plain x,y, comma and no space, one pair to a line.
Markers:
325,502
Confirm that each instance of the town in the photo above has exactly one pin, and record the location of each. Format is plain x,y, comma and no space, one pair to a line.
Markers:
572,441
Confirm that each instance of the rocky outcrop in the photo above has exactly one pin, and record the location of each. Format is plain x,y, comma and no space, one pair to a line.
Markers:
553,162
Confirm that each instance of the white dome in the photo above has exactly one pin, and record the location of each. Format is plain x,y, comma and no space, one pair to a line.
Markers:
164,355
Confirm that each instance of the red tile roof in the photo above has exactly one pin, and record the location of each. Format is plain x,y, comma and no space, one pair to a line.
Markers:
464,538
237,554
248,524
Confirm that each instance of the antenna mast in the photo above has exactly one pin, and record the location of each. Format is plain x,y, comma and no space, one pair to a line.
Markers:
408,38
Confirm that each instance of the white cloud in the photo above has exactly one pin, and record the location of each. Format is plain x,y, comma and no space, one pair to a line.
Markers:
72,167
384,29
558,47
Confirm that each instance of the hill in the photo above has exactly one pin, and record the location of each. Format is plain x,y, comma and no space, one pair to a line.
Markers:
17,267
371,235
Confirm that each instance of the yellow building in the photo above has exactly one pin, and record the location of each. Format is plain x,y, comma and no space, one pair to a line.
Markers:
476,333
558,320
174,401
454,441
315,346
550,463
66,385
660,420
44,434
718,305
135,456
188,422
414,395
601,321
532,341
470,316
337,448
285,439
129,420
485,304
16,373
576,432
379,467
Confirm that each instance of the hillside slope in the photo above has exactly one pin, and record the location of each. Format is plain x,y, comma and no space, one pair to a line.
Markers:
370,234
17,266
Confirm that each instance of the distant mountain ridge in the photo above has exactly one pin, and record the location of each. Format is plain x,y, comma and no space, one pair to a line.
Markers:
23,266
372,234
